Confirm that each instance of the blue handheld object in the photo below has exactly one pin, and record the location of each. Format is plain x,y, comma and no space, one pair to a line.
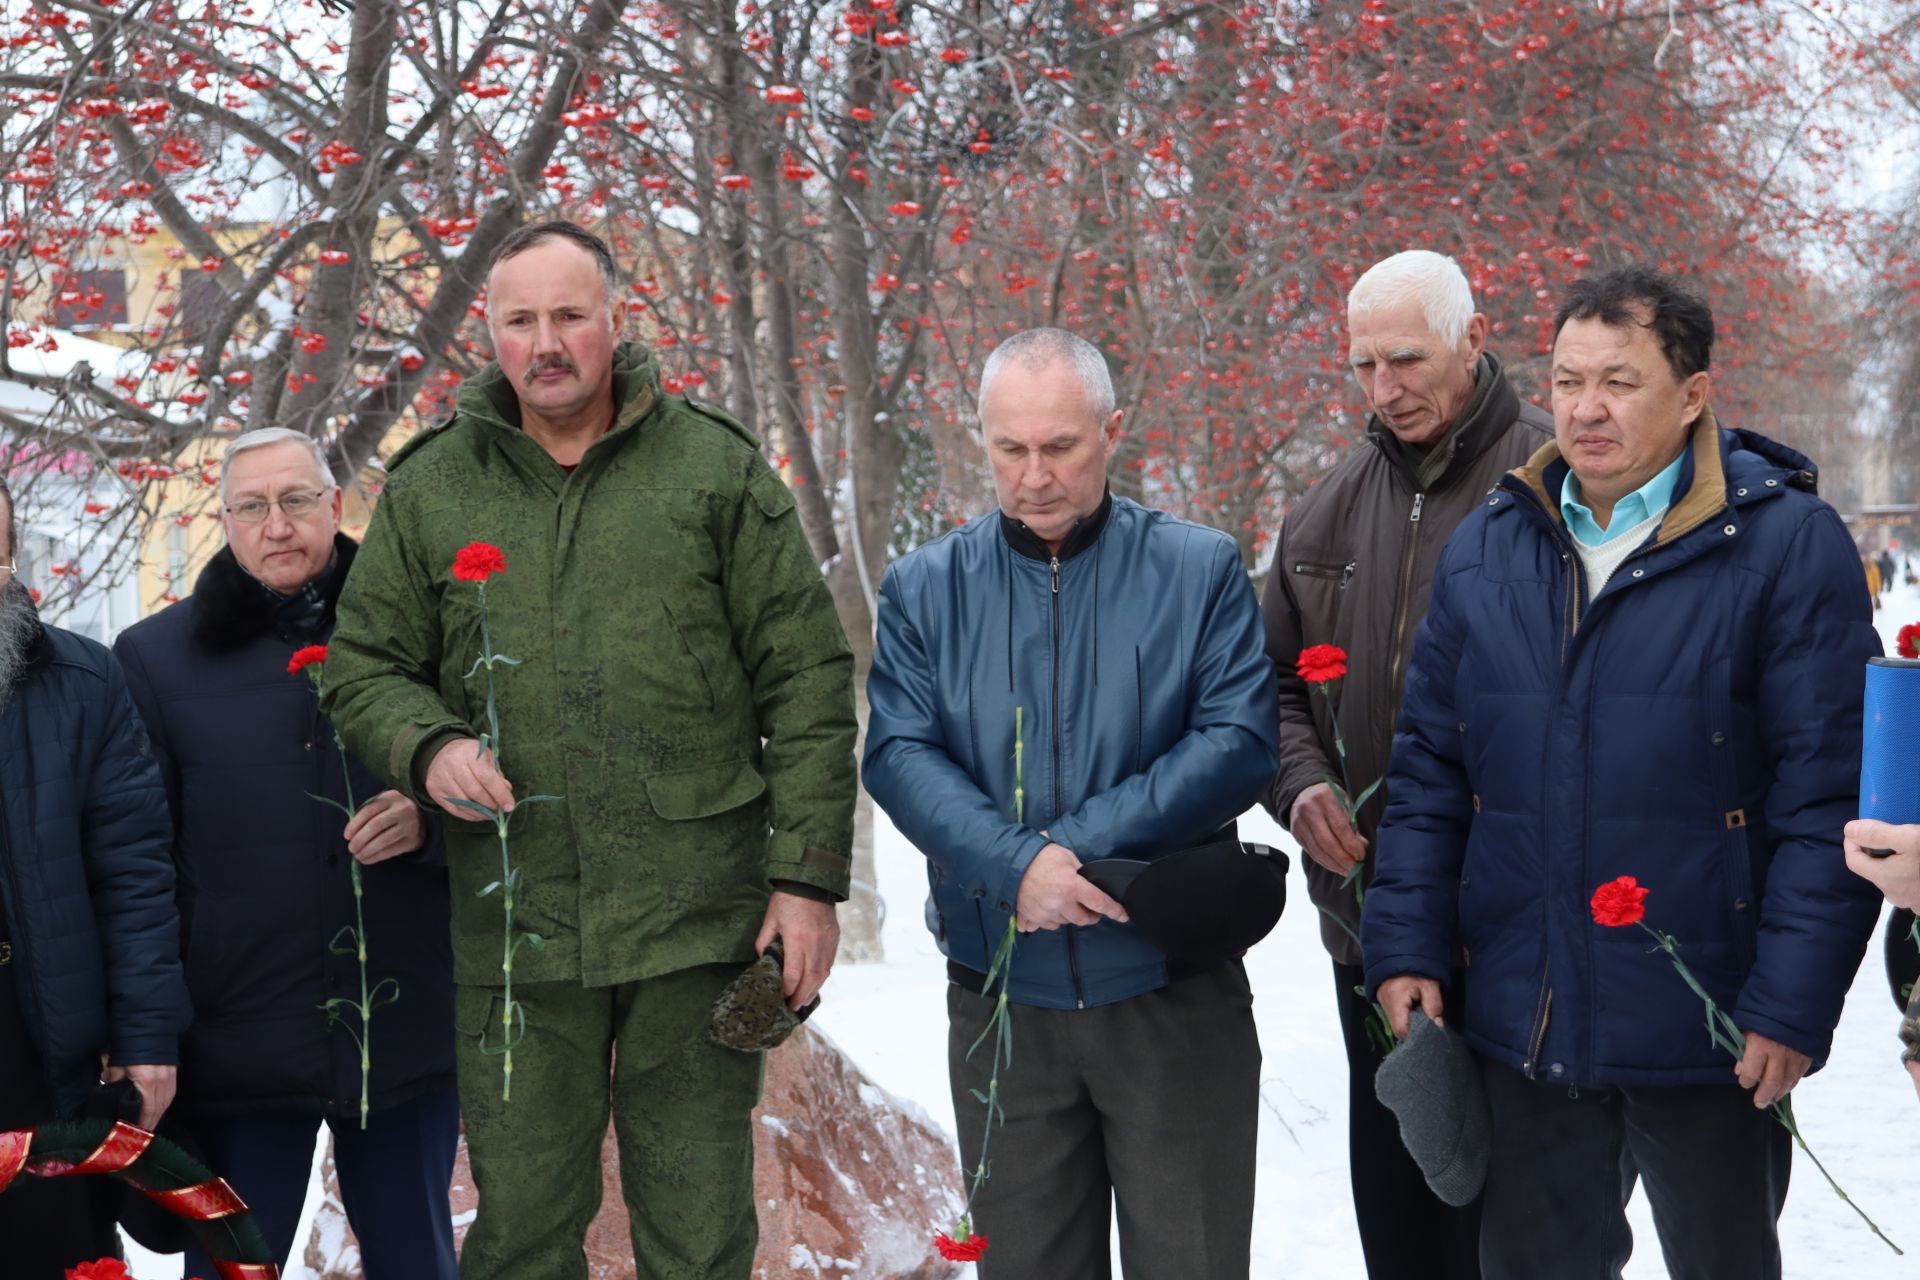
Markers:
1890,744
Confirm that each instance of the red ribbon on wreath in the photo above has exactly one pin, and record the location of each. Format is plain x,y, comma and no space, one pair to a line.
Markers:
158,1169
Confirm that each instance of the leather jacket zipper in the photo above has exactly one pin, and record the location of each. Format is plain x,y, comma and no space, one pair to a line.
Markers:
1400,609
1073,949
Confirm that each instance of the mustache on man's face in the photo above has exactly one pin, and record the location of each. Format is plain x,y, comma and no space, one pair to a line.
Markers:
559,362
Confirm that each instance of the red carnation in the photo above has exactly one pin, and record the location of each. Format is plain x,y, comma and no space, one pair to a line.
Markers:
1322,662
966,1250
307,657
1909,643
479,561
104,1269
1619,902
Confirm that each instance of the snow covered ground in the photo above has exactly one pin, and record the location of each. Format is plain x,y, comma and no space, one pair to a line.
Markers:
1858,1114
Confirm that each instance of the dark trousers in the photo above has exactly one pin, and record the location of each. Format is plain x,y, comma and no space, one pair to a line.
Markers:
394,1179
46,1224
1564,1163
1152,1103
1406,1232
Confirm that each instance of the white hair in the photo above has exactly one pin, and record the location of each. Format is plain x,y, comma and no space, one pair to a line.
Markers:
1038,348
275,435
1433,280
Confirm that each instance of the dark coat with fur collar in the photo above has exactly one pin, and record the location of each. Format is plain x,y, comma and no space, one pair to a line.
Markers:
85,883
264,885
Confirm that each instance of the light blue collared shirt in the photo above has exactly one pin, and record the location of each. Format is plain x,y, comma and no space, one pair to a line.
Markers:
1649,500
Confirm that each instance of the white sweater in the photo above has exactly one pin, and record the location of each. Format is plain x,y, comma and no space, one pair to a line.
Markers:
1602,560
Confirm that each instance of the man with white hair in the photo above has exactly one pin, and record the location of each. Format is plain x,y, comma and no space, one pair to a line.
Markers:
1353,569
269,889
1077,678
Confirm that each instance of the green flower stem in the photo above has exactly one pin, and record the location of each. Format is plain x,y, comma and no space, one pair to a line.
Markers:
363,1037
512,1015
1000,1021
1379,1026
506,958
1727,1034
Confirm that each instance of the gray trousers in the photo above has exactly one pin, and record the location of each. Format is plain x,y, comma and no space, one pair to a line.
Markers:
1151,1104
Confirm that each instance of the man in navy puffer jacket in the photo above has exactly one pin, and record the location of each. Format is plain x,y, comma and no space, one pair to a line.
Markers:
90,982
1132,644
1643,658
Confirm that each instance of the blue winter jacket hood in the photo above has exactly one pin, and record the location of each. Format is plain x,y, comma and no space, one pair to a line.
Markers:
1134,659
1696,725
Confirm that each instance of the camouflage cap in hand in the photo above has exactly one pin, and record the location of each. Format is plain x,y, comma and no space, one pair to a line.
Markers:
752,1015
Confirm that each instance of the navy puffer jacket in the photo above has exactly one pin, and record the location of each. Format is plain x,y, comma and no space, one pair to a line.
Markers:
1696,725
85,876
1150,722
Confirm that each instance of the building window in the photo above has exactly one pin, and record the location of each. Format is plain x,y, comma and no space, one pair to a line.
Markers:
91,298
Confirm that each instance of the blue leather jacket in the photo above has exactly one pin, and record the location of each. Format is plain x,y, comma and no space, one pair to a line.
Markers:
1148,715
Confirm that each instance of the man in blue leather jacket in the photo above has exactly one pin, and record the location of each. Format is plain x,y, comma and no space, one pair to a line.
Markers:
1127,647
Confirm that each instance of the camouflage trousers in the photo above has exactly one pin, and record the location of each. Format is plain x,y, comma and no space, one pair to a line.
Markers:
680,1106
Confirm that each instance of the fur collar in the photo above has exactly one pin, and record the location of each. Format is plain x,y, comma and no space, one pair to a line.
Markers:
39,650
231,608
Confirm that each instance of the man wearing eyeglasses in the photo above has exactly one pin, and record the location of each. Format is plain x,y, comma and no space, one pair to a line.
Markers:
89,936
257,785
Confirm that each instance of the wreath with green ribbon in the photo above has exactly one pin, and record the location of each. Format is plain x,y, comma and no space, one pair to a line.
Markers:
158,1169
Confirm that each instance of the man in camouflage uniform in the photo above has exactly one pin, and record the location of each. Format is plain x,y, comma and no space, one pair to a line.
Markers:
684,688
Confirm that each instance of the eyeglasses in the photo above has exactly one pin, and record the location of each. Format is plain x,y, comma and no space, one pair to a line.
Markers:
6,572
296,506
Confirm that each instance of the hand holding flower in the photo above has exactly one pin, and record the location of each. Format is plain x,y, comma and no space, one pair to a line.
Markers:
460,770
1770,1069
1767,1066
384,827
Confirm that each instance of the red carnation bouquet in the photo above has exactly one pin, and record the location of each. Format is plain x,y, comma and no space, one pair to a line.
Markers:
1908,643
1622,901
1320,665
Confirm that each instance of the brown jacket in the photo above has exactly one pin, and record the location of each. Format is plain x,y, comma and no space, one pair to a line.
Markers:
1353,569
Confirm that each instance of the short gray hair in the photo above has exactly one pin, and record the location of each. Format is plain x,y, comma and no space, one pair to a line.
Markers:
1433,280
265,436
1037,348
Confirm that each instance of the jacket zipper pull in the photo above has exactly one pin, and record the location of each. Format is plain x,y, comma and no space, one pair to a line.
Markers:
1056,575
1419,500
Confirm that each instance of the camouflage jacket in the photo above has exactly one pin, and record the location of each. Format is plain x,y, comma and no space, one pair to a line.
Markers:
684,686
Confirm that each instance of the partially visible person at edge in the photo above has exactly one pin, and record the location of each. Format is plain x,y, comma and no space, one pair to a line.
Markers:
264,888
686,691
90,983
1354,565
1893,867
1131,640
1875,582
1641,658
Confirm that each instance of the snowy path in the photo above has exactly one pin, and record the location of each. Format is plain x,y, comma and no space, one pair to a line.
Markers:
1859,1114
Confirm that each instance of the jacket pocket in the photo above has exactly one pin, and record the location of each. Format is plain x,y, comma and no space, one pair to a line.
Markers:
1340,573
704,792
693,655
